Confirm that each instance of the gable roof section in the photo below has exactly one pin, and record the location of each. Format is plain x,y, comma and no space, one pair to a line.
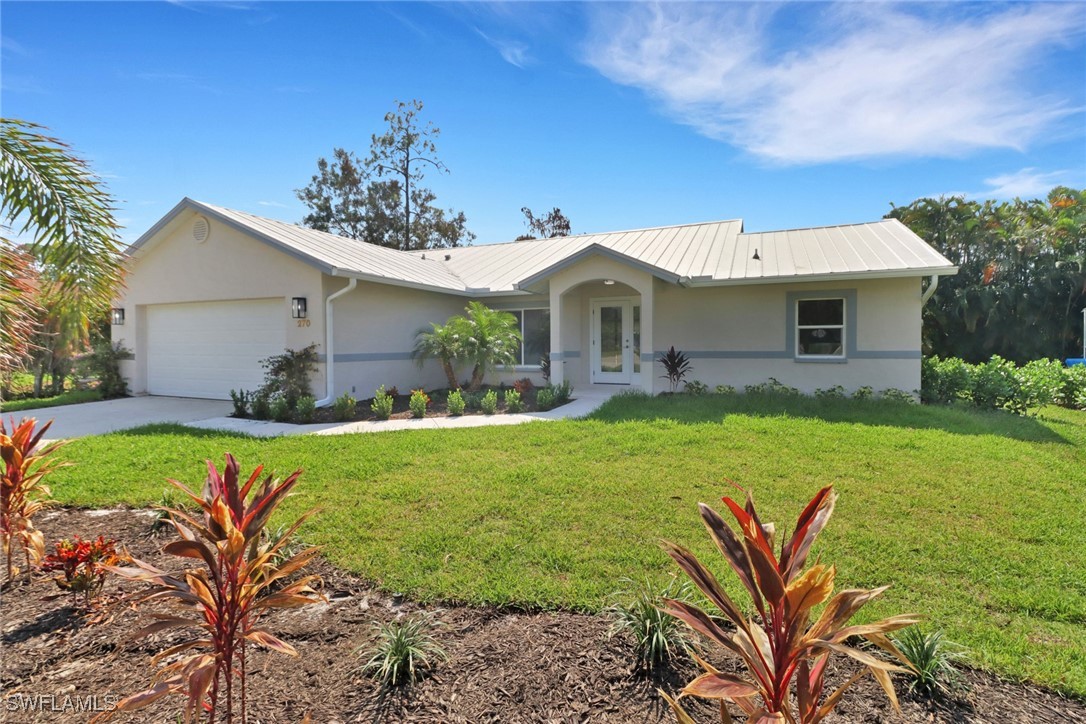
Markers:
330,253
711,253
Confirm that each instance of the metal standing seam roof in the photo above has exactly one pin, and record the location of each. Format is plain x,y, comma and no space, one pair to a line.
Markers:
693,254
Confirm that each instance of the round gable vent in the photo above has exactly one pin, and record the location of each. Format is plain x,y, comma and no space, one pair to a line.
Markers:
201,229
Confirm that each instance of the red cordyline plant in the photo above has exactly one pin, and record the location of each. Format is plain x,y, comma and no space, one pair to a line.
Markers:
782,645
22,490
83,564
241,580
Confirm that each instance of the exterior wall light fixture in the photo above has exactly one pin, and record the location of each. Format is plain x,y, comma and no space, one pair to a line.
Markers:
297,307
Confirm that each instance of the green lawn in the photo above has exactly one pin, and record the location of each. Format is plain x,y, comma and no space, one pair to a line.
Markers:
977,520
21,387
71,397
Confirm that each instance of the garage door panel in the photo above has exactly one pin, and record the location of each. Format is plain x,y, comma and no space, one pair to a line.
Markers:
207,349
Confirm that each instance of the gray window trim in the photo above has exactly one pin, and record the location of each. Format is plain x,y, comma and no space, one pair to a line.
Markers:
850,331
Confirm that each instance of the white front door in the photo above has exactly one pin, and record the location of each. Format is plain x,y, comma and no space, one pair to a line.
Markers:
612,341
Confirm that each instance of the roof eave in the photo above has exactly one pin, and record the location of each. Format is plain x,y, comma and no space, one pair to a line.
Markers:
393,282
832,276
529,283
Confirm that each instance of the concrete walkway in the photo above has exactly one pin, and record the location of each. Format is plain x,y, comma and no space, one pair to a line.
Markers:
583,404
98,418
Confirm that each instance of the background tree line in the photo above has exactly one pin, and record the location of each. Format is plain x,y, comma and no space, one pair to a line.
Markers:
1021,284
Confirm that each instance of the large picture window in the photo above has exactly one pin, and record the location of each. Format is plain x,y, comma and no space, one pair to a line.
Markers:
820,327
535,328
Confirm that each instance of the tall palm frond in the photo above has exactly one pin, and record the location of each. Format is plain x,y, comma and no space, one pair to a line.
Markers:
52,196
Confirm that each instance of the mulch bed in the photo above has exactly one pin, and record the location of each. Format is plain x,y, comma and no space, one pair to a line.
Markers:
504,666
401,409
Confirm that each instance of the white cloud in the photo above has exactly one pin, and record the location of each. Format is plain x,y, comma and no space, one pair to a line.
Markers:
274,204
855,81
511,51
1029,183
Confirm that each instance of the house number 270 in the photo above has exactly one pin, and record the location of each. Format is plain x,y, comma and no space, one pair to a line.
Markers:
303,322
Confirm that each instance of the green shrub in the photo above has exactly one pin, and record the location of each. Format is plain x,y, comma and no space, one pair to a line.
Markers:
240,398
658,637
931,660
895,395
544,399
837,392
694,387
562,393
472,400
489,403
343,409
1073,393
772,386
864,393
1040,382
403,650
305,409
418,403
280,409
104,362
724,390
945,381
513,402
455,403
995,385
261,406
288,374
382,404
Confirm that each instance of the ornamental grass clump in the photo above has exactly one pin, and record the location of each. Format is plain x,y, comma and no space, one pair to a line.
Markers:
658,637
23,492
784,652
931,660
241,576
402,651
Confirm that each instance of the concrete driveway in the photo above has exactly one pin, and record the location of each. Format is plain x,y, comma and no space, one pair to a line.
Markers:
95,418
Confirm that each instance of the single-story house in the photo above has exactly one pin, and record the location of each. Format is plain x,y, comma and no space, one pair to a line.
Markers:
211,292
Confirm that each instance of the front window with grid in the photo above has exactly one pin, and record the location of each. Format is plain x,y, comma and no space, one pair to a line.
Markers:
535,329
820,327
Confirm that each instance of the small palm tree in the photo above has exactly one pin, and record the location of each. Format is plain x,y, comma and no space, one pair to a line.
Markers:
443,342
493,339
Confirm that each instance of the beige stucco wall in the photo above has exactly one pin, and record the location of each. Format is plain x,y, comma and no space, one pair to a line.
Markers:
229,265
374,330
739,335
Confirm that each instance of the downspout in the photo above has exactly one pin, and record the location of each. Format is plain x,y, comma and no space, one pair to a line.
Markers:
329,344
930,290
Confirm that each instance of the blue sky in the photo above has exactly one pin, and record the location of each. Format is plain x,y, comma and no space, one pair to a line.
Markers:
623,115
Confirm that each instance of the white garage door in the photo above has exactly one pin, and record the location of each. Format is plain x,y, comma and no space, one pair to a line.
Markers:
206,349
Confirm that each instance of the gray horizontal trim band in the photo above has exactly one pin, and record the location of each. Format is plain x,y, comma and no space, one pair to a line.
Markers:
784,354
730,354
368,357
571,354
886,354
